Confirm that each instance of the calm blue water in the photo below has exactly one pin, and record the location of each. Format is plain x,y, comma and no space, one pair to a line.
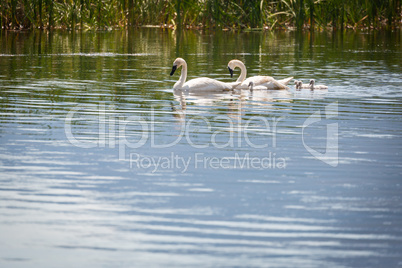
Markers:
102,165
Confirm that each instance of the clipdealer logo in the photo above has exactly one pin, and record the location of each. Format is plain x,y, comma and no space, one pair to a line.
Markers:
330,156
117,131
133,132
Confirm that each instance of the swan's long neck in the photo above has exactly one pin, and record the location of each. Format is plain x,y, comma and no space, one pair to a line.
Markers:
183,76
243,71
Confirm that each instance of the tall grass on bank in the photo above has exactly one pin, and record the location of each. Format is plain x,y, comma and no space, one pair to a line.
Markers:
99,14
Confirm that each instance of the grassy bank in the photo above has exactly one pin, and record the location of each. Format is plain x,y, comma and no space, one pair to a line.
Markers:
101,14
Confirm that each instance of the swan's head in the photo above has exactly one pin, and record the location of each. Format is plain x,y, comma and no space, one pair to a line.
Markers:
232,65
176,64
298,84
251,85
312,82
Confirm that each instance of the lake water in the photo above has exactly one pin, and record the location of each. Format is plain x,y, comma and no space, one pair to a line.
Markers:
102,165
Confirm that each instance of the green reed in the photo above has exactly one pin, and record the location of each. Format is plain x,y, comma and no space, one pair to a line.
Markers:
101,14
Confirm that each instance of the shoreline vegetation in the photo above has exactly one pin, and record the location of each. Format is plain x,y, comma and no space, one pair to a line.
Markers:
201,14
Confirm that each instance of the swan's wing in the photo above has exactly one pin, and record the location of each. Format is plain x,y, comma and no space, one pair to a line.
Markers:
285,81
274,85
305,86
208,84
262,79
258,80
266,82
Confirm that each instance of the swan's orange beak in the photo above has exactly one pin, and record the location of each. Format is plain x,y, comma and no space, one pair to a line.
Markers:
174,68
230,71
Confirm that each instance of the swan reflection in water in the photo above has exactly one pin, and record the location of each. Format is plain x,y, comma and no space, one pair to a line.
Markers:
225,118
236,102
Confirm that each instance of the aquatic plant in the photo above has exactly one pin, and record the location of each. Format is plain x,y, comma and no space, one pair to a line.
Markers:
100,14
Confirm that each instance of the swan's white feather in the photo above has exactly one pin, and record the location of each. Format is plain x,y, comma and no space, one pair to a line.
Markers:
266,82
300,85
285,81
314,86
320,87
204,84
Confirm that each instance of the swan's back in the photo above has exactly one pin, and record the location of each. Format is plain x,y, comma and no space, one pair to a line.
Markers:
314,86
320,87
208,85
265,82
257,80
300,85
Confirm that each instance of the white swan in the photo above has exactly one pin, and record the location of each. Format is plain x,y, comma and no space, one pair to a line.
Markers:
198,84
314,86
267,82
299,85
